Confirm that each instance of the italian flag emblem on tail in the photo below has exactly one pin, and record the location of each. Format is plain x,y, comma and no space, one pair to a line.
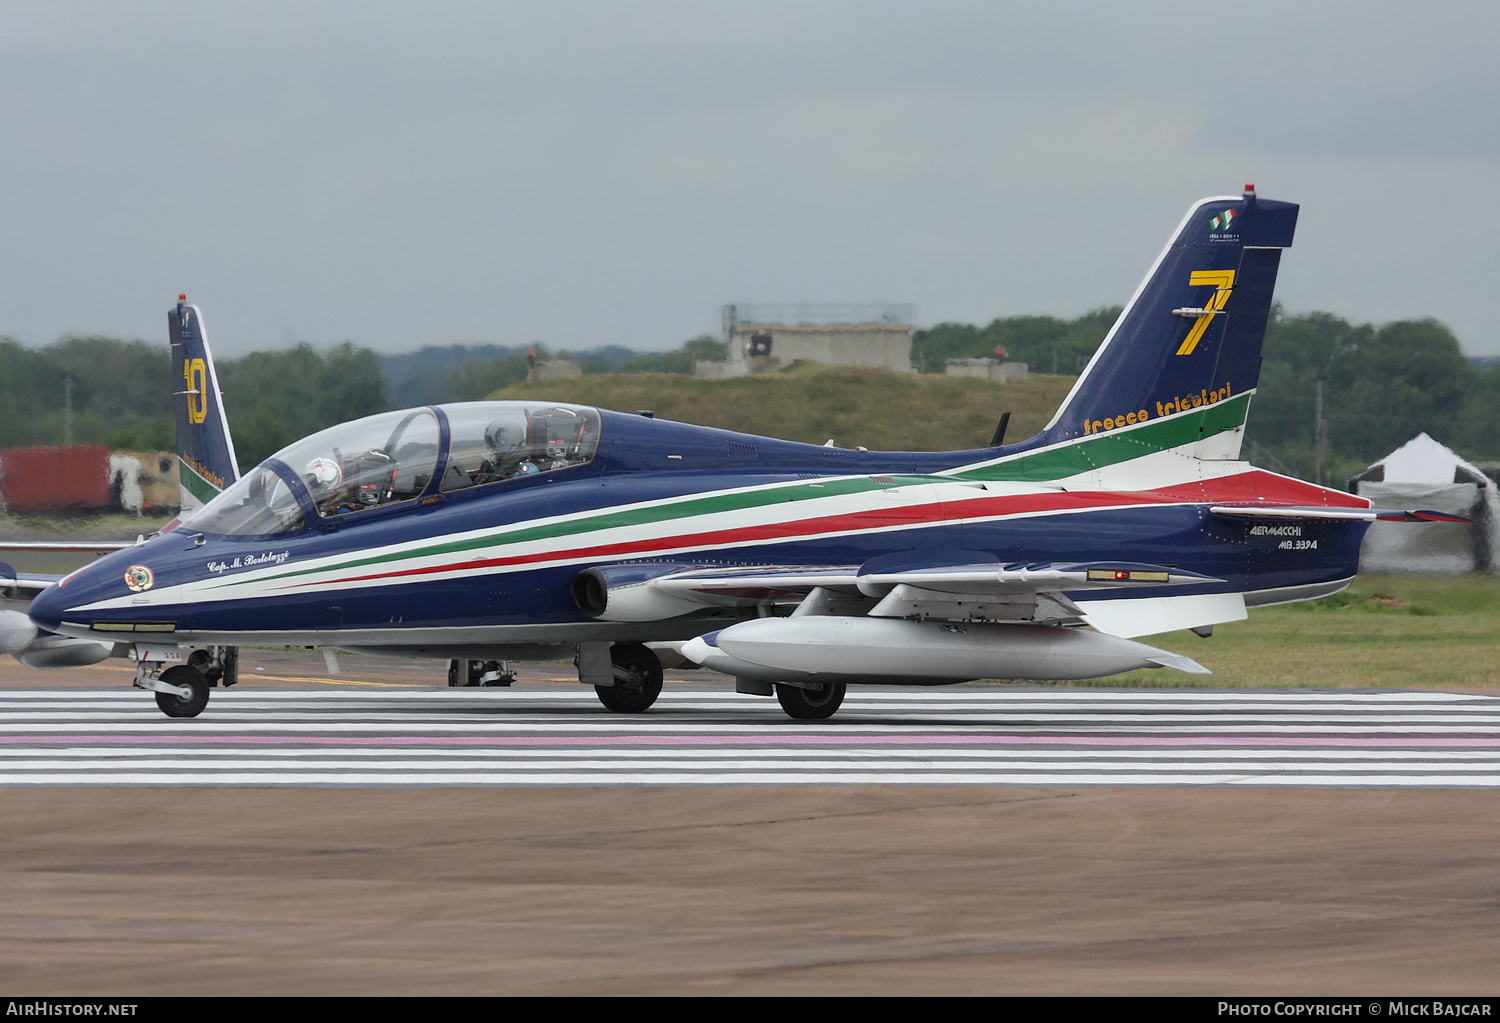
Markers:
1221,221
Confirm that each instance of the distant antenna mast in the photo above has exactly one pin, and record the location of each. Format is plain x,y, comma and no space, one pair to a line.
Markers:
68,411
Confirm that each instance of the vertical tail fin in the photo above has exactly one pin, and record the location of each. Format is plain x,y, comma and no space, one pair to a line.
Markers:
1191,335
205,451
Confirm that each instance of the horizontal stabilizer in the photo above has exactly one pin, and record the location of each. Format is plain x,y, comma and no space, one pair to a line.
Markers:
1147,616
1287,511
1385,515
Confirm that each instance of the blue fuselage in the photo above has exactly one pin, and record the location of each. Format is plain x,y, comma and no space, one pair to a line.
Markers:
493,565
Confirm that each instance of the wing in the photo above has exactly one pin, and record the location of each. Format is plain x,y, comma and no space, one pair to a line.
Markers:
67,546
23,585
1038,593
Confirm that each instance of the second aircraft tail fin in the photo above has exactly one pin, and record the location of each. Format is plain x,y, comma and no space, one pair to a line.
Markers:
205,451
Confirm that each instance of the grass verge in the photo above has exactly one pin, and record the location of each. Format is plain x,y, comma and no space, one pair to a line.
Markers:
1385,631
879,409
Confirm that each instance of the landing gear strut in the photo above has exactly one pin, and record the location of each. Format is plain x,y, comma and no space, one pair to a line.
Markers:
637,673
219,664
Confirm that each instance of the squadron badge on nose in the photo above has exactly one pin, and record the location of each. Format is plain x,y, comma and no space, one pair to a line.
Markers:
139,577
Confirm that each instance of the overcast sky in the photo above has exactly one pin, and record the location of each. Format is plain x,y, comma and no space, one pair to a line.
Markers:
609,172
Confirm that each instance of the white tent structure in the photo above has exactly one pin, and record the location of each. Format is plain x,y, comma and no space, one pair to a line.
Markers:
1424,475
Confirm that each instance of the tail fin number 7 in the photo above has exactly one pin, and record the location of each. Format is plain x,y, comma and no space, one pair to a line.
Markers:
1224,280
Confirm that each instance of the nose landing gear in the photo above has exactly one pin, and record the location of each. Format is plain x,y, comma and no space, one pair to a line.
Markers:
182,689
184,680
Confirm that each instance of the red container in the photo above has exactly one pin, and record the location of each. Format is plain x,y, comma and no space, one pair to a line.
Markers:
55,479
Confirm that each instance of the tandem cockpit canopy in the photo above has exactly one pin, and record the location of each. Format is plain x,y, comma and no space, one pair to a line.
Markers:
392,458
500,440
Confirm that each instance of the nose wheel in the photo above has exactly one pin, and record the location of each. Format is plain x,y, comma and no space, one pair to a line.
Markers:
182,678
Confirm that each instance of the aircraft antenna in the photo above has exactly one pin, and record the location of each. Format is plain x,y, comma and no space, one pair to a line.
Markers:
999,437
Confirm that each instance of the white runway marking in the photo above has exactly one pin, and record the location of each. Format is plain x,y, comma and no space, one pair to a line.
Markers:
694,736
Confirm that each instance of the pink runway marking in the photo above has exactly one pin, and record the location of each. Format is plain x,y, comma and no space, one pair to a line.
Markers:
718,740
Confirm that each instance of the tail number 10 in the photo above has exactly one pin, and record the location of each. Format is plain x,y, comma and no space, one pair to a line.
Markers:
194,372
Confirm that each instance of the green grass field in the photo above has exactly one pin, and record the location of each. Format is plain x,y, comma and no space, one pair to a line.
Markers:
879,409
83,527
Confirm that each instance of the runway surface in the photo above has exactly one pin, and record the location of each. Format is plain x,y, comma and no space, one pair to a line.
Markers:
705,735
378,833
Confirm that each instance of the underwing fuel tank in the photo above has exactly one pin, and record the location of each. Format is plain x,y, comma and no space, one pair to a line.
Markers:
892,651
16,632
20,638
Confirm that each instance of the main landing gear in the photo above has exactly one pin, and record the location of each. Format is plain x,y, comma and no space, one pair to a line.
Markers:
637,672
480,673
808,702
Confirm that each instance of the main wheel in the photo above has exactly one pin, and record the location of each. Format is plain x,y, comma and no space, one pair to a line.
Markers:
465,673
811,704
637,679
504,675
174,706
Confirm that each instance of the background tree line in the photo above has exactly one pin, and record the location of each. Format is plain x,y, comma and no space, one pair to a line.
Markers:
1381,385
122,390
122,393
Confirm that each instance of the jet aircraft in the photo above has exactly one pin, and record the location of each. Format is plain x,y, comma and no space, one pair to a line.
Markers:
486,531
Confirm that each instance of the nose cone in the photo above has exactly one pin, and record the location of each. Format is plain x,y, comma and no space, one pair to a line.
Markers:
47,608
110,595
